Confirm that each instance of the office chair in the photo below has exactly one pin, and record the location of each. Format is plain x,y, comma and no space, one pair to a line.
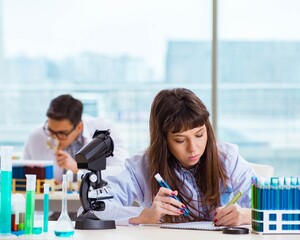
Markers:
263,170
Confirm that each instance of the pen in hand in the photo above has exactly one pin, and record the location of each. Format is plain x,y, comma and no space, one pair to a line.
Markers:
163,183
233,200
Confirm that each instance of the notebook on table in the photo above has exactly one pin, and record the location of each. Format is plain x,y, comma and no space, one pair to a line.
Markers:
206,226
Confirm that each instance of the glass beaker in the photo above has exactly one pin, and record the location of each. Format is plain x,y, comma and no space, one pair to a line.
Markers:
5,189
64,226
38,223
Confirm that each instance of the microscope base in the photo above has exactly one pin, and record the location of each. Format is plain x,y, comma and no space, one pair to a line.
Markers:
87,223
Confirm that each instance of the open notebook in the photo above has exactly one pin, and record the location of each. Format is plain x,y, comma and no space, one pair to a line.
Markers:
208,226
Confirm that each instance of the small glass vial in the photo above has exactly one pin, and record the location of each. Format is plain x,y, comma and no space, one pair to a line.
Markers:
64,226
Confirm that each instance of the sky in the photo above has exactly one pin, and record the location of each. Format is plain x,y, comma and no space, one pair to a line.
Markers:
60,28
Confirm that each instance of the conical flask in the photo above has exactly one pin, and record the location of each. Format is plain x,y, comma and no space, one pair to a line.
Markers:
64,226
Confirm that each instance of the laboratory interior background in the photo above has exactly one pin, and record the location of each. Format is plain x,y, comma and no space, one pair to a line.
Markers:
242,58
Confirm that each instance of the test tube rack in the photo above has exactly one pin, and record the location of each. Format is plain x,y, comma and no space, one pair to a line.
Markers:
276,221
275,205
19,185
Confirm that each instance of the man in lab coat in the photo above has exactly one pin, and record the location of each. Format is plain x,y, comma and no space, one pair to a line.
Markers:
65,132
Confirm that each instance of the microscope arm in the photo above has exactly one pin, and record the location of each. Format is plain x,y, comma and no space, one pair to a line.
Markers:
84,190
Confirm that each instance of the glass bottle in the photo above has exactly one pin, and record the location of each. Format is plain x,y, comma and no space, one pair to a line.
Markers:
64,226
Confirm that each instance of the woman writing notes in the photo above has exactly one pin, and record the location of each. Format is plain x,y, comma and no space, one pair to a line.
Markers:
203,176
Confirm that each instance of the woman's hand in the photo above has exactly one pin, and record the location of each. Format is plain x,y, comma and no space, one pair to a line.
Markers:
232,215
163,204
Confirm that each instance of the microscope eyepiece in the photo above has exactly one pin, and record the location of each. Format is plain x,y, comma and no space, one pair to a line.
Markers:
93,155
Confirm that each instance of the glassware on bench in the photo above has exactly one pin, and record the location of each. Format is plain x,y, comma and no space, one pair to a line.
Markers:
5,189
30,202
64,226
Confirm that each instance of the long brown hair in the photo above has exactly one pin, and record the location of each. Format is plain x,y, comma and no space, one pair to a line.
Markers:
178,110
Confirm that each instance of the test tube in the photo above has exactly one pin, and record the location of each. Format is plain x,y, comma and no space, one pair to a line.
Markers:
281,192
5,189
275,204
46,206
253,192
30,202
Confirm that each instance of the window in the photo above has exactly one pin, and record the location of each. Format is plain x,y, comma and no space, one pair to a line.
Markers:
259,90
113,55
116,55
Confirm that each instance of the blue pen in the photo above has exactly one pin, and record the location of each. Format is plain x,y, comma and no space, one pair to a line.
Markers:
163,183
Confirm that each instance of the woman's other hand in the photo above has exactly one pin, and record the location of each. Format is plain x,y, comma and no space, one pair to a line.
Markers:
232,215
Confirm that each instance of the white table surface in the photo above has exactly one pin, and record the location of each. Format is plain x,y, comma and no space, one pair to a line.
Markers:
154,232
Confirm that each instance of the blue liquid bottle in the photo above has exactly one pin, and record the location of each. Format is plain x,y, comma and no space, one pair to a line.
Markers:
64,226
5,189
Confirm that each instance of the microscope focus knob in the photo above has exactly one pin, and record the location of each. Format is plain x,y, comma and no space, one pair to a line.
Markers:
93,178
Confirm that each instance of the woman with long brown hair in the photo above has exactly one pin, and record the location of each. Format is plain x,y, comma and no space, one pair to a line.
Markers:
204,175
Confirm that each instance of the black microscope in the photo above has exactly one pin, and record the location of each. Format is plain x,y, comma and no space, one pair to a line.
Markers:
93,188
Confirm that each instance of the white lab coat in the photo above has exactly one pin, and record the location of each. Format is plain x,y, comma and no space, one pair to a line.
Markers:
35,147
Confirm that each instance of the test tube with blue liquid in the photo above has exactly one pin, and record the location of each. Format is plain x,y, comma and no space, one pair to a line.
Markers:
5,189
294,196
288,198
281,192
30,203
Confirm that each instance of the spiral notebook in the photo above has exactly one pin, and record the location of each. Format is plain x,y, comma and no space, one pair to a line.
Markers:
206,226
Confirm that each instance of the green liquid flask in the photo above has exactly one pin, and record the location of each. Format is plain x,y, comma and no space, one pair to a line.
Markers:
64,226
30,202
5,189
